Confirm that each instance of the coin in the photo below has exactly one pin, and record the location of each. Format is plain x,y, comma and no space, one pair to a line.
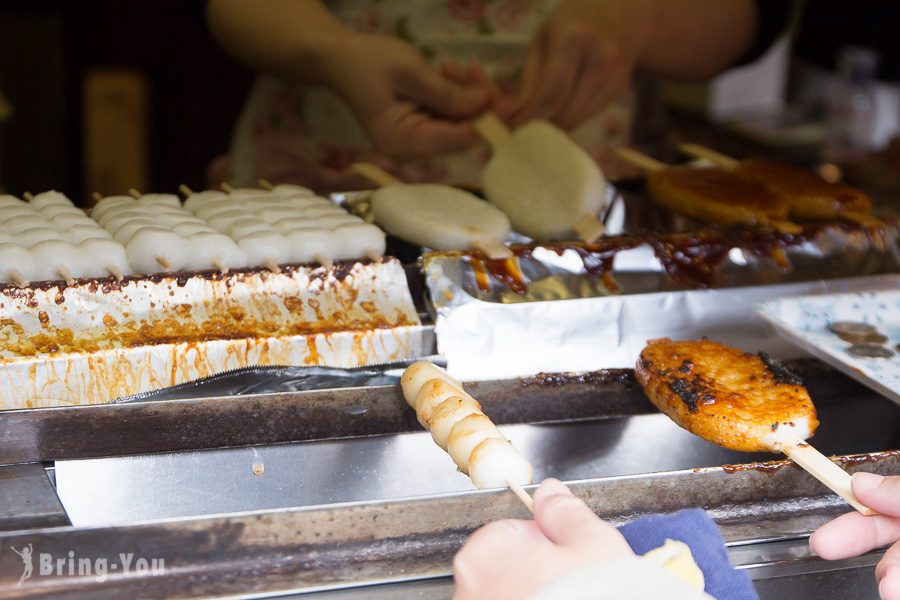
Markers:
870,351
851,328
865,338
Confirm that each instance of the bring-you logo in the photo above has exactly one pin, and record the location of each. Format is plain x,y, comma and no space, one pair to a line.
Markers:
71,564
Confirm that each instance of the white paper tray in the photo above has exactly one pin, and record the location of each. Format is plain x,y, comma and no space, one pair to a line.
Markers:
98,340
804,321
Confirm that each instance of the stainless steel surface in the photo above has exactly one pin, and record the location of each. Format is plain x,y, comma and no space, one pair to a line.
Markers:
199,423
577,426
345,545
219,422
28,498
128,489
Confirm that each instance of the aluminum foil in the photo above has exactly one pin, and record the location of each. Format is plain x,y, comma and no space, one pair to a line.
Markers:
279,379
549,313
98,340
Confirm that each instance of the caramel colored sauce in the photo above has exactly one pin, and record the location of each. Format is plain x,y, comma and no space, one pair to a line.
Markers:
771,467
689,259
508,272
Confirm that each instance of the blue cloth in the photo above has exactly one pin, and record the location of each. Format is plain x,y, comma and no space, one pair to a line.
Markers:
697,530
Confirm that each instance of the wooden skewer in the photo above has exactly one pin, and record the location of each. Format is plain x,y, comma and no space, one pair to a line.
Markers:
641,160
164,263
324,261
273,266
492,129
115,272
66,275
786,227
861,219
521,494
375,174
819,466
18,279
28,196
97,196
265,184
226,187
493,249
134,193
589,228
717,158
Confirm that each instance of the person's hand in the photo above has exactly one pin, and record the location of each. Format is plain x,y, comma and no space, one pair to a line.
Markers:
407,107
854,534
515,559
581,59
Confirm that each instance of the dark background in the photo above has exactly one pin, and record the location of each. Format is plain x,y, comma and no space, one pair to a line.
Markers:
194,90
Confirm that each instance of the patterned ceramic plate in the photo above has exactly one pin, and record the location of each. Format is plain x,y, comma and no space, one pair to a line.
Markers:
811,322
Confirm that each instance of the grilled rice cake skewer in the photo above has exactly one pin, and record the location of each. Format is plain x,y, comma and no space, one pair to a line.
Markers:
807,195
716,197
729,397
738,400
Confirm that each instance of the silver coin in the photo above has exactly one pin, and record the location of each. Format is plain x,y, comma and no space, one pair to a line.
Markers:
870,351
851,328
865,338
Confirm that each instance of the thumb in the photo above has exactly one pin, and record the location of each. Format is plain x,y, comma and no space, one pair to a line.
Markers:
426,87
878,492
567,521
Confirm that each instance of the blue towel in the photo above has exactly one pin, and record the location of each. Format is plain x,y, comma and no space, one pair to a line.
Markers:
697,530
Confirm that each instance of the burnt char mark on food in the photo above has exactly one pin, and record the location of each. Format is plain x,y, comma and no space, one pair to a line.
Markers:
779,372
686,367
688,391
643,363
340,271
604,376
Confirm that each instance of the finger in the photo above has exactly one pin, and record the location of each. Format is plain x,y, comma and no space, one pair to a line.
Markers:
597,84
853,534
429,89
556,80
454,71
888,574
478,556
405,131
531,69
878,492
477,76
567,521
475,73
